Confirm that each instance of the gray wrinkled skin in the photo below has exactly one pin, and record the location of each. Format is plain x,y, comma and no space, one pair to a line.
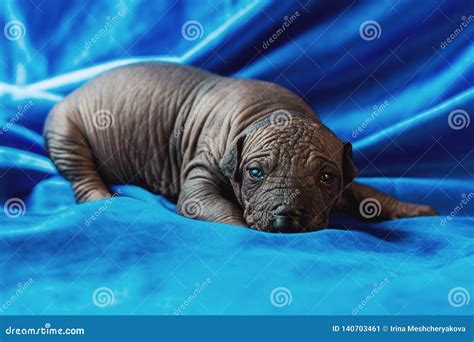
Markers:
192,136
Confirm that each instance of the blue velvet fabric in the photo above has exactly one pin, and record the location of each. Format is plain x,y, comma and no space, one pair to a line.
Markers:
389,91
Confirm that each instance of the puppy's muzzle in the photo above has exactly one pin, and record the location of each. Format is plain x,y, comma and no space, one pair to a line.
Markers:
294,221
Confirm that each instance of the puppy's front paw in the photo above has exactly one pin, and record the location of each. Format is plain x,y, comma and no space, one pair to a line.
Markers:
413,210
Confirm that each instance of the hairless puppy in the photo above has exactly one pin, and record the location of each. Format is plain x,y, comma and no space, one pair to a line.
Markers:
236,151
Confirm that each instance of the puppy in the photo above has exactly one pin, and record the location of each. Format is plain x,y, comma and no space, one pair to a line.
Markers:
236,151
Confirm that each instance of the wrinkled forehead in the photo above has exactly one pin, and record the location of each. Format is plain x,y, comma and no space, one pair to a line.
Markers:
299,143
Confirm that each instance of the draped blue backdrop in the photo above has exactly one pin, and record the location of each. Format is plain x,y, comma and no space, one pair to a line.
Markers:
394,78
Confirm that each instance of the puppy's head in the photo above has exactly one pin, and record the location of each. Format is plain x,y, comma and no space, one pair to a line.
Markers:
287,173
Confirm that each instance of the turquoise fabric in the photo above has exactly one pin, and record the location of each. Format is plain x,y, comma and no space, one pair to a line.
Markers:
382,75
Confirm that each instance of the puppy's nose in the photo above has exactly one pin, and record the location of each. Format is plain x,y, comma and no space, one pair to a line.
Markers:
294,213
290,221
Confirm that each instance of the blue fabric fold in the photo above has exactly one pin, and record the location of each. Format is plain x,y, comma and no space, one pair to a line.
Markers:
404,99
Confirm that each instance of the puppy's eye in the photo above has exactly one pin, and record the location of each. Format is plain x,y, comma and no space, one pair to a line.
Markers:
326,178
255,172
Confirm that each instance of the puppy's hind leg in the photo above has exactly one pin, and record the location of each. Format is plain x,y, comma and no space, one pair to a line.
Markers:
369,204
71,155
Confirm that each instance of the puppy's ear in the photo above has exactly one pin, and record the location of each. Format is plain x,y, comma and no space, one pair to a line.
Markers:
230,161
349,170
233,154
